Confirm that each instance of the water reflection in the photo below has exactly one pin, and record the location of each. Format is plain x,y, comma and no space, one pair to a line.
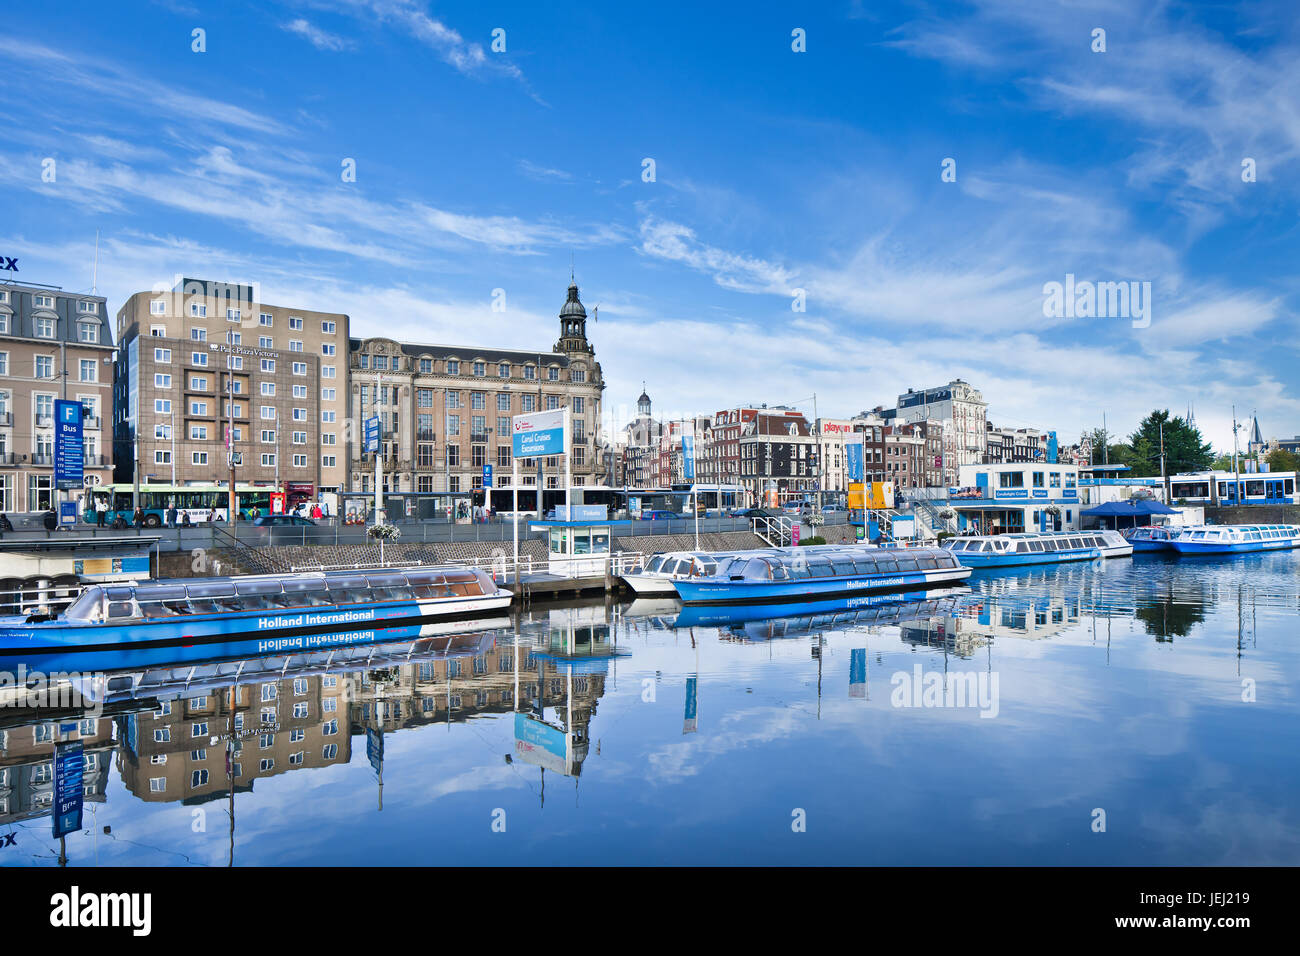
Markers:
795,701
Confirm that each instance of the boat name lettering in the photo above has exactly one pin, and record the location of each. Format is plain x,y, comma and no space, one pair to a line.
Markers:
301,620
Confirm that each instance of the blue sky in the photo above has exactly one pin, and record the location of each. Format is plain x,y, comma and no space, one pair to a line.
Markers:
775,170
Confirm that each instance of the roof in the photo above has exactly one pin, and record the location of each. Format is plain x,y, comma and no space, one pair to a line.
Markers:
467,353
1128,509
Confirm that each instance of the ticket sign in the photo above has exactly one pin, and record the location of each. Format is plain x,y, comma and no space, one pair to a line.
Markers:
539,434
69,454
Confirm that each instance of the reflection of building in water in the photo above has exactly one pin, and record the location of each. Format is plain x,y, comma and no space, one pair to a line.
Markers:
951,634
178,751
981,619
27,765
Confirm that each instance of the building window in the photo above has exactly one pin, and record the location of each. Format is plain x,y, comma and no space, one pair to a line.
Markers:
299,368
87,332
328,348
266,320
530,372
453,399
295,323
327,326
268,461
199,358
480,368
295,345
327,371
300,461
198,309
158,307
266,342
162,380
268,413
89,370
553,374
199,335
328,461
426,366
45,328
268,365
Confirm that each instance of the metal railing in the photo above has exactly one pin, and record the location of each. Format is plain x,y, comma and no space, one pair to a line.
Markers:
778,532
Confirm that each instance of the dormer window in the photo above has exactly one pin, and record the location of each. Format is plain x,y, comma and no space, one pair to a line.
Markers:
552,374
44,328
90,308
43,301
503,370
453,367
480,368
87,332
530,372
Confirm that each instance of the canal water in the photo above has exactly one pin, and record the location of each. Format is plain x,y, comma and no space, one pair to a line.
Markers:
1137,711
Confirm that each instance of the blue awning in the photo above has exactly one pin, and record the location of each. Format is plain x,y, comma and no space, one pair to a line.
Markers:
1128,509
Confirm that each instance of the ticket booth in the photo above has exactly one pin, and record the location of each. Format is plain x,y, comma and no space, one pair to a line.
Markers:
576,549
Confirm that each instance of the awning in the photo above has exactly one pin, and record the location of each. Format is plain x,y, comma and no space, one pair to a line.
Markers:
1128,509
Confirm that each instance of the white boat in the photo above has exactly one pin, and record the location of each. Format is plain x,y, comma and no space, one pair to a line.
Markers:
1236,538
1052,547
659,573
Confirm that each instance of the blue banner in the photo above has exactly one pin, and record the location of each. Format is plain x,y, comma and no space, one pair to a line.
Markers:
69,773
857,672
688,457
487,476
691,717
69,451
853,455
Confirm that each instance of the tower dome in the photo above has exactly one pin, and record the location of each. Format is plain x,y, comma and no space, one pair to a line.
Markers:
573,307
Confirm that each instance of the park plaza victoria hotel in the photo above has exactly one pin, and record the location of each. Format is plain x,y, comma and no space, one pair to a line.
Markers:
446,410
53,345
181,352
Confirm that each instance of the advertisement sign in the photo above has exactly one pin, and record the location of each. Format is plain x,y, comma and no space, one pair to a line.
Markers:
487,476
69,453
853,455
539,434
688,457
794,534
372,434
67,512
633,505
69,770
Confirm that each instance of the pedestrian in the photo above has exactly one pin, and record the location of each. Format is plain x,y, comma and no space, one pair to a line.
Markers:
185,520
171,516
101,511
5,524
139,517
315,512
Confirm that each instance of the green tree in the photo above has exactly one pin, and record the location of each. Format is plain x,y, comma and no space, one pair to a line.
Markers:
1279,459
1184,449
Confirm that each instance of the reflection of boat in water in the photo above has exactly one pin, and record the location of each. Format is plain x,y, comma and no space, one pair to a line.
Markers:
821,572
804,616
237,617
653,607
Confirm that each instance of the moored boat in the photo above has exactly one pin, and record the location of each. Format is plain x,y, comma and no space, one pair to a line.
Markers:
1236,538
256,614
659,573
1009,550
820,572
1152,537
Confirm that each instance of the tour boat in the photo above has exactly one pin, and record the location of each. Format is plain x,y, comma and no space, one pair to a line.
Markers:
1152,537
1236,538
820,572
659,573
256,614
1053,547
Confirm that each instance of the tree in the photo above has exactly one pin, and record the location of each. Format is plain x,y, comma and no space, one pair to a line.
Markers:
1279,459
1222,463
1184,449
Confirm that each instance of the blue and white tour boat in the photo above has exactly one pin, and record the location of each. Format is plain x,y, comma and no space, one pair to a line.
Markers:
1152,537
1053,547
1236,538
257,614
820,572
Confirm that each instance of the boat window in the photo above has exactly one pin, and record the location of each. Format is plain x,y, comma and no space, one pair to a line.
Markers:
205,589
928,564
865,565
886,565
120,609
1034,545
86,607
844,567
257,587
423,578
780,572
655,563
346,584
203,606
907,563
799,568
820,569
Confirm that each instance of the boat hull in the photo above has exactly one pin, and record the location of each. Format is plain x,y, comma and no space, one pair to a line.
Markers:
1230,547
980,559
713,592
645,585
231,634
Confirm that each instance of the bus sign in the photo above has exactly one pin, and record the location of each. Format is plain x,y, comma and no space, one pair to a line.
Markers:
69,453
372,433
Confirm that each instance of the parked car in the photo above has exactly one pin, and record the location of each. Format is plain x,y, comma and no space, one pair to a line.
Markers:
281,521
833,508
761,513
658,515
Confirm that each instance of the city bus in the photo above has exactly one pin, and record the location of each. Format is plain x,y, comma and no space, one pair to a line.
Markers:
198,501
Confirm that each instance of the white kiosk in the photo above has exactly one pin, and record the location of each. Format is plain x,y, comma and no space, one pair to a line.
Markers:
577,548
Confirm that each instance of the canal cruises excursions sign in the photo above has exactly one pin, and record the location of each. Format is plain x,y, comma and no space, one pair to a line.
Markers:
540,434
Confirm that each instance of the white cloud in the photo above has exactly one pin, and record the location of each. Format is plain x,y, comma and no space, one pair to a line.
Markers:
320,39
